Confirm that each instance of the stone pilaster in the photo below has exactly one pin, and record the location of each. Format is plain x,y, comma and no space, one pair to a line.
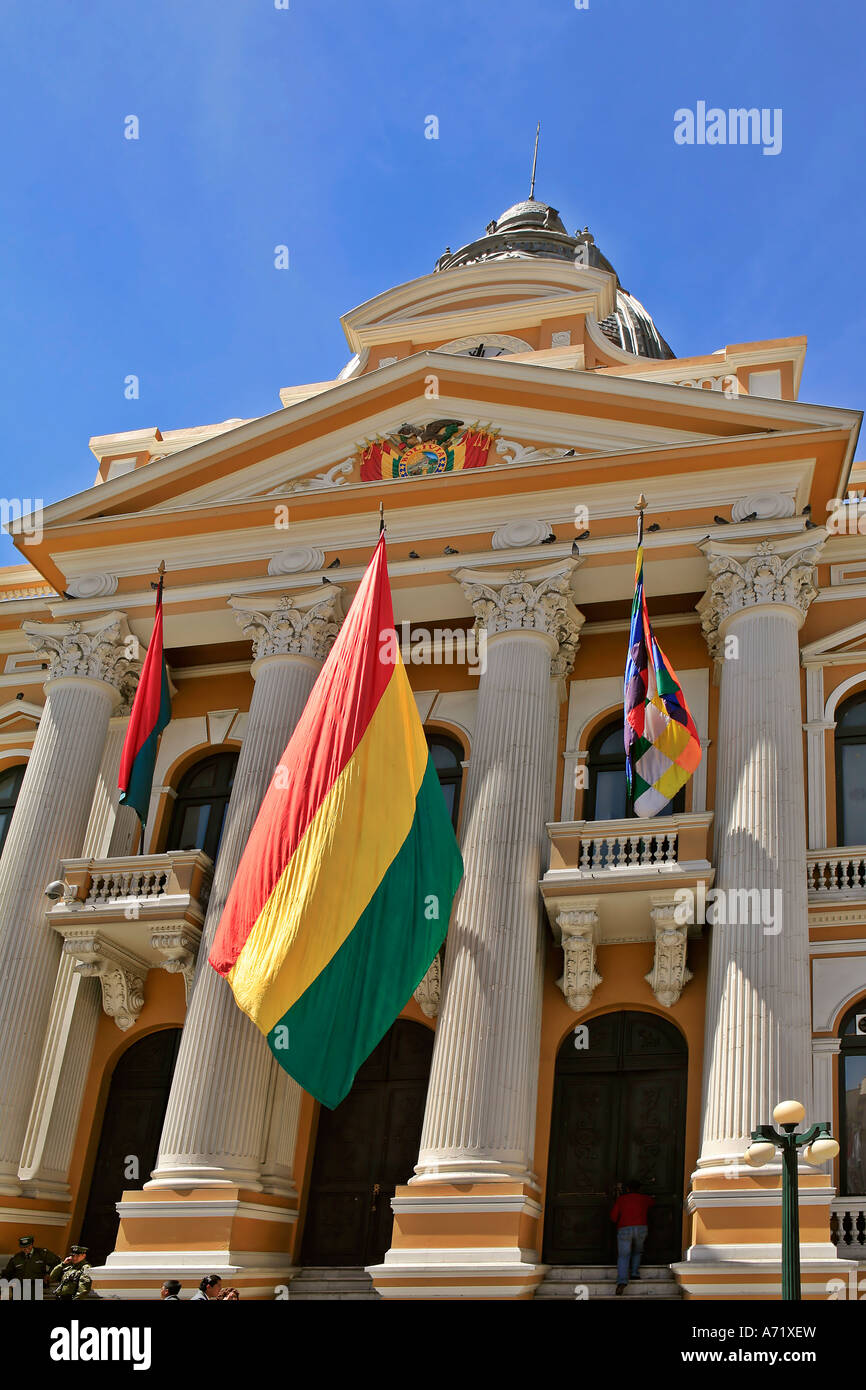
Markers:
474,1171
757,1049
218,1133
91,668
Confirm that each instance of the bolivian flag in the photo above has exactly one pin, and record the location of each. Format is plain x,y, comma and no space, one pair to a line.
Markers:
151,711
662,745
344,891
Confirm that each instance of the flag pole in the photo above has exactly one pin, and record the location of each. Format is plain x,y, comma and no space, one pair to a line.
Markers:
158,585
381,518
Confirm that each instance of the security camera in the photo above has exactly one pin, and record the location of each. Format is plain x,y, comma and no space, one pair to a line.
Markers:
60,889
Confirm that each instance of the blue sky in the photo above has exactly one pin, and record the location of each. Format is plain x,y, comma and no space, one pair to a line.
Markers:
305,127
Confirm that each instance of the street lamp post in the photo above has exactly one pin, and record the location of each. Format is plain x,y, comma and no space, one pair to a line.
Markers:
817,1146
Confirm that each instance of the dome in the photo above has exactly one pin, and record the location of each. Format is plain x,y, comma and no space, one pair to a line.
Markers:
533,229
530,214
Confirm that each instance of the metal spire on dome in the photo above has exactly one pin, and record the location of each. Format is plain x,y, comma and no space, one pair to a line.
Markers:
534,162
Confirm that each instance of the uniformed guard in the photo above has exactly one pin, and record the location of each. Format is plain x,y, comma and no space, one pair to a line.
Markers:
74,1275
30,1261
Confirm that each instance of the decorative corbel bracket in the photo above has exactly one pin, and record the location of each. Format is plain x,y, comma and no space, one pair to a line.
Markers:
580,978
178,947
429,992
670,974
120,974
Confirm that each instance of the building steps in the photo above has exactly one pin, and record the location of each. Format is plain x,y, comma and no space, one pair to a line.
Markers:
599,1281
332,1282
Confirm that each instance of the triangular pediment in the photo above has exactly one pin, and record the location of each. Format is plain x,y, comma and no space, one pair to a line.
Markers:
19,717
847,647
540,419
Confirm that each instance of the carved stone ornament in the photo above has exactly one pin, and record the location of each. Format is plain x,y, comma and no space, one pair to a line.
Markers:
670,974
516,534
579,978
429,992
178,946
120,974
537,600
92,586
745,576
102,649
296,560
335,476
763,505
510,451
294,624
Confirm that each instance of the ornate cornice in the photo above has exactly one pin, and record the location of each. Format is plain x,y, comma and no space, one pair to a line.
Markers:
757,576
536,600
292,624
101,648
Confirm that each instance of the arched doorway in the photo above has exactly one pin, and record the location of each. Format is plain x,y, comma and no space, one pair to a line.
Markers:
137,1102
364,1149
619,1107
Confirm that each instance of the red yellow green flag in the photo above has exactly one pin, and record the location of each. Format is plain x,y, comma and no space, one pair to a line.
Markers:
344,891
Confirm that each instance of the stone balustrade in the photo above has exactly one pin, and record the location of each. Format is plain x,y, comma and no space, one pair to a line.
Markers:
848,1226
836,873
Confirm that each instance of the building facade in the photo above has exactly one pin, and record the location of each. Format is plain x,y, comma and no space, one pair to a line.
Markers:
616,998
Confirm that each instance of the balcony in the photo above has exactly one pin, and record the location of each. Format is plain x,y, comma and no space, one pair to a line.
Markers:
614,882
124,917
848,1227
836,875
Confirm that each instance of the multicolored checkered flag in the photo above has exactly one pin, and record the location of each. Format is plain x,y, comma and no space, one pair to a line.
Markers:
662,747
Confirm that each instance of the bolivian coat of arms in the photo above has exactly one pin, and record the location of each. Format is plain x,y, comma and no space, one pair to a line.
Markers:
418,451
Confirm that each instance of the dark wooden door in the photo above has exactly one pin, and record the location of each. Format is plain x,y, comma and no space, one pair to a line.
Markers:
131,1127
365,1149
618,1113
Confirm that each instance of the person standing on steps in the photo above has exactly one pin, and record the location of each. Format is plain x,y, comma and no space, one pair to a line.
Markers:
629,1211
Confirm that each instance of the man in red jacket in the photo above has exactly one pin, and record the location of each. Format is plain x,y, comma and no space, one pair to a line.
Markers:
629,1211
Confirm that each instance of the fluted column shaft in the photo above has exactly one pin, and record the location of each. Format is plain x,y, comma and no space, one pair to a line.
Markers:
215,1124
111,829
49,824
758,1031
480,1116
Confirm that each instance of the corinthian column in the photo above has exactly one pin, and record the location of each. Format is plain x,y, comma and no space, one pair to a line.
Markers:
479,1125
219,1132
90,665
758,1034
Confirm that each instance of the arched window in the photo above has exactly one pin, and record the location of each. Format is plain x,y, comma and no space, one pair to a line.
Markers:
448,762
10,785
202,797
852,1102
607,797
851,771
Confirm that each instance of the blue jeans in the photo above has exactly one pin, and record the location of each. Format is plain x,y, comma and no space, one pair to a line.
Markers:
629,1248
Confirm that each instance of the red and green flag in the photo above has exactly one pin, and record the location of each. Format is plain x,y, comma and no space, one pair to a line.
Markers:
344,891
151,711
662,745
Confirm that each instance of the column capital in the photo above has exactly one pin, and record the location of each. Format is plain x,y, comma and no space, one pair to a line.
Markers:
745,576
100,649
528,600
291,624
